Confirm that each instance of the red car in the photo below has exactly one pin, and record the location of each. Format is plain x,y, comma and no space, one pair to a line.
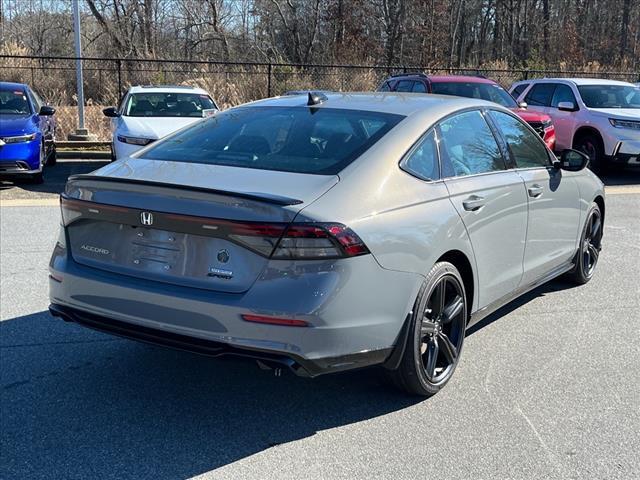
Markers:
472,87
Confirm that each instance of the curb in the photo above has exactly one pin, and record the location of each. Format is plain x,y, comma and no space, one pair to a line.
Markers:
83,154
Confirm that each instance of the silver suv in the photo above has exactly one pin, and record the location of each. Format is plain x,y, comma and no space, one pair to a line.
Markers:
599,117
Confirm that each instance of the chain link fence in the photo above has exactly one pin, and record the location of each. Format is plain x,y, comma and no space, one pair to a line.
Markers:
230,83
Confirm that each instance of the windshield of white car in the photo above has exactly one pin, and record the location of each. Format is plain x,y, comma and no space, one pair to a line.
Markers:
610,96
290,139
484,91
163,104
13,102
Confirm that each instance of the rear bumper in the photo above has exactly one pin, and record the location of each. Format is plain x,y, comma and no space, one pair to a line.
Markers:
355,310
297,364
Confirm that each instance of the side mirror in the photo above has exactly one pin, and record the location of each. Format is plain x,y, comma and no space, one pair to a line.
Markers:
111,112
572,160
522,105
46,110
567,106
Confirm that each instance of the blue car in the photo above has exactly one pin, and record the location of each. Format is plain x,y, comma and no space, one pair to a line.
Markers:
27,133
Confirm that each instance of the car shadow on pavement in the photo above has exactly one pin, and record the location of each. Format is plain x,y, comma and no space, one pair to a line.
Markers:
81,404
553,286
626,176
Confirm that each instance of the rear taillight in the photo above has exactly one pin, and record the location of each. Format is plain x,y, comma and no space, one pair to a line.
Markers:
318,241
299,241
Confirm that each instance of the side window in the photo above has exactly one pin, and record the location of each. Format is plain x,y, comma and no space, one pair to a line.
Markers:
540,94
422,161
418,87
468,146
517,91
526,147
384,87
404,86
563,93
34,100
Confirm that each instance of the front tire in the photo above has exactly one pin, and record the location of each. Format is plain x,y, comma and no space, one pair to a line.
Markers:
589,248
436,333
592,146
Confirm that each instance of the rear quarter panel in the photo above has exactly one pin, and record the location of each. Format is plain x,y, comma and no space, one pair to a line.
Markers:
406,223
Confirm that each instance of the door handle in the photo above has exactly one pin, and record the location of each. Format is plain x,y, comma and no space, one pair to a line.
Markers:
474,203
535,190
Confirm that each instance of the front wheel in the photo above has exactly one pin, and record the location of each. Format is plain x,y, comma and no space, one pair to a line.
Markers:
436,333
592,146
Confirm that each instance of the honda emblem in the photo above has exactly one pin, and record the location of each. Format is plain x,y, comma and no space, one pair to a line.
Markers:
146,218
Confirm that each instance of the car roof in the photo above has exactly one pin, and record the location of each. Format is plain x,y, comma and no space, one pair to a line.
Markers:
443,78
459,78
166,89
385,102
581,81
20,86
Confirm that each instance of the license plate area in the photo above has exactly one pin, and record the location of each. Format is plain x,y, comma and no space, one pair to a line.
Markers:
178,258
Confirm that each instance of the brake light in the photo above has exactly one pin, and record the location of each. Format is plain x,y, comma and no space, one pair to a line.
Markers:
319,241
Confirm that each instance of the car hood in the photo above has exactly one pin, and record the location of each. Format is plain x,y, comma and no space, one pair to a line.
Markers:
153,127
619,113
12,125
531,116
270,184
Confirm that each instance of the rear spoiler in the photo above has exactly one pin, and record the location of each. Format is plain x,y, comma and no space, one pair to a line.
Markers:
259,196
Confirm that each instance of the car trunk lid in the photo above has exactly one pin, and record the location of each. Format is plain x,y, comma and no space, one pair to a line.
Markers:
194,225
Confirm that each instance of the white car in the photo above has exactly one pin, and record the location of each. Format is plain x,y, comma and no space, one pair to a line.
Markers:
147,113
599,117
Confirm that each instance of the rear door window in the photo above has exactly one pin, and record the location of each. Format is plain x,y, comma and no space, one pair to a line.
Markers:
467,146
540,94
291,139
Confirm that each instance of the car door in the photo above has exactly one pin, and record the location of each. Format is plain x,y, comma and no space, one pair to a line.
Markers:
552,195
563,120
489,198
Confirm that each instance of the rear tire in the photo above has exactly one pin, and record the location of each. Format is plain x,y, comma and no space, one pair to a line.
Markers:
436,333
591,145
589,247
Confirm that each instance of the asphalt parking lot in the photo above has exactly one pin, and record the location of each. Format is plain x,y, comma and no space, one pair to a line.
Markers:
548,387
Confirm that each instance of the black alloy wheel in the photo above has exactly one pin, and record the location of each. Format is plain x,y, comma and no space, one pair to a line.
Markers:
436,333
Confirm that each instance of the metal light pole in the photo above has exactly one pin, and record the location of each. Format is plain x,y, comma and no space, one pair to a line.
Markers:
76,33
81,132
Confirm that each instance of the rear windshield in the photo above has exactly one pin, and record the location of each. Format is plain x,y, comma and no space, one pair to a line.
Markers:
610,96
484,91
161,104
290,139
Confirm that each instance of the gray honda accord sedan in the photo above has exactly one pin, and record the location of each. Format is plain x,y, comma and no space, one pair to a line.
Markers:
326,232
